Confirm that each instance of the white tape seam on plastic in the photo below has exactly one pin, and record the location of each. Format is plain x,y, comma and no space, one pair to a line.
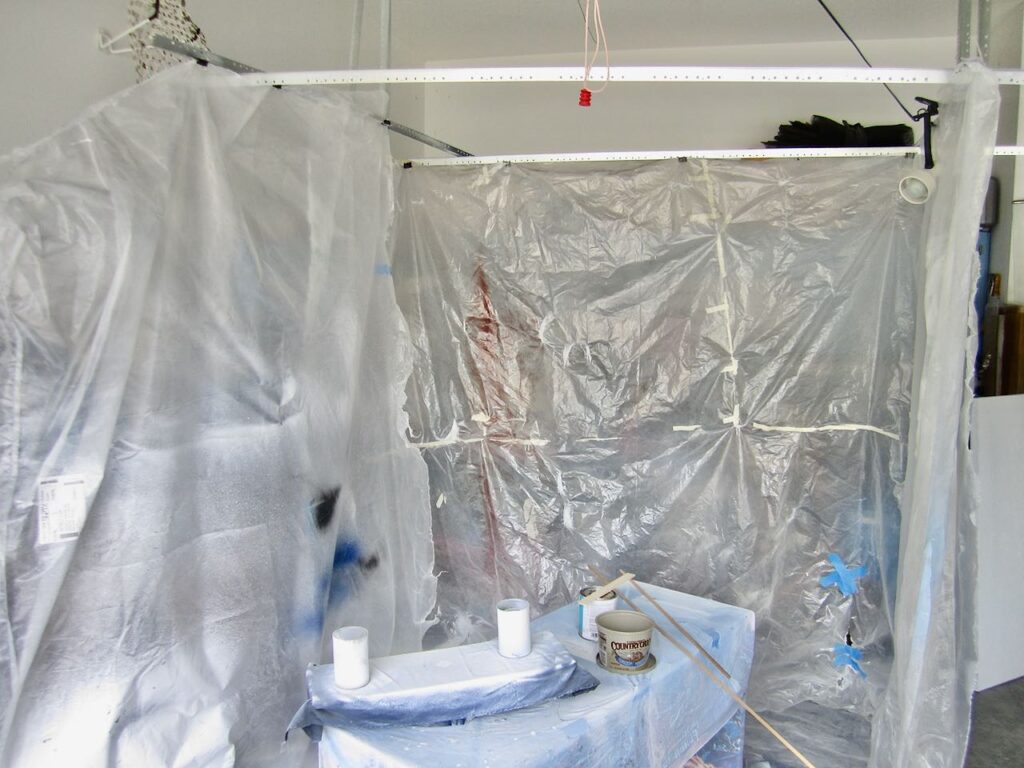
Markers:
452,438
706,173
828,428
735,418
733,366
490,438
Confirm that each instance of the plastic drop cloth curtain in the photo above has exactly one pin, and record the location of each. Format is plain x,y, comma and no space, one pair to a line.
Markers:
702,372
202,450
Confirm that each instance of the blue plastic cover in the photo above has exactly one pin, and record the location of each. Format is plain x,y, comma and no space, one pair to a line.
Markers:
662,717
442,686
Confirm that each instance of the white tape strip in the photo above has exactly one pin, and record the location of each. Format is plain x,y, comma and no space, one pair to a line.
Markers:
519,440
450,439
720,255
829,428
720,258
706,173
732,367
491,439
447,441
735,418
686,427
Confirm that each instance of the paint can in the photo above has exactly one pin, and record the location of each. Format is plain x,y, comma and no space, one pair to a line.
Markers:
351,657
586,615
624,641
514,640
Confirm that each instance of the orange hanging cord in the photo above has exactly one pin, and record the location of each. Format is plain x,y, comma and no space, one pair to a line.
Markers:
593,11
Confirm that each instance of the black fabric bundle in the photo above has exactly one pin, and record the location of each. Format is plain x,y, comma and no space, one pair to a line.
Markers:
824,132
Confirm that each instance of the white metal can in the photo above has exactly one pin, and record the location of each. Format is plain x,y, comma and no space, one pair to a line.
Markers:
586,615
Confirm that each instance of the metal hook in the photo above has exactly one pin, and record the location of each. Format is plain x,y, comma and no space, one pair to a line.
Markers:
106,42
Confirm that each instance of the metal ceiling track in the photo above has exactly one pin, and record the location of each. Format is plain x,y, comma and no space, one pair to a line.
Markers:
208,57
764,75
249,76
686,154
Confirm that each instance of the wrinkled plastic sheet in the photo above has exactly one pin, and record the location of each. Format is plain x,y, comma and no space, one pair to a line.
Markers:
699,372
201,367
925,719
442,686
663,717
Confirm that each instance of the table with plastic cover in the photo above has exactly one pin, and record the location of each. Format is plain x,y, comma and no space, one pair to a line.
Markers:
671,715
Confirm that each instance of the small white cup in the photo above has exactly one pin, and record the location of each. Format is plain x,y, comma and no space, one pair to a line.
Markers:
351,657
514,628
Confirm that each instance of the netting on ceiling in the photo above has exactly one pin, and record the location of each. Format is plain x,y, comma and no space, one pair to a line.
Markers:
172,20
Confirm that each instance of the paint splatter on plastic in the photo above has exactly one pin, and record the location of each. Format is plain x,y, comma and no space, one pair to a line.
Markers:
323,508
848,656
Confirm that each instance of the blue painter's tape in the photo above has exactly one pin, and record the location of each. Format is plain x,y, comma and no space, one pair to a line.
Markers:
843,577
346,553
382,269
848,656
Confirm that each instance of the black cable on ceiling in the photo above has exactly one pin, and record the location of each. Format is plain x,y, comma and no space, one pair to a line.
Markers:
865,58
583,13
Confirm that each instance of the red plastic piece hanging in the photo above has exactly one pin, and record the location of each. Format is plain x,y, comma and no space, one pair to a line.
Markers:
584,97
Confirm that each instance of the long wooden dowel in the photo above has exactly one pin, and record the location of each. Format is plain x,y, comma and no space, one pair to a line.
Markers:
681,629
601,591
715,678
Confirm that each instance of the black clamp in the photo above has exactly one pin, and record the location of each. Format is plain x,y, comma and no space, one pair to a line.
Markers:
930,110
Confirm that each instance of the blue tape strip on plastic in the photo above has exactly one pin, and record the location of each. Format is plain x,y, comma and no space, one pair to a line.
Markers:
848,656
842,577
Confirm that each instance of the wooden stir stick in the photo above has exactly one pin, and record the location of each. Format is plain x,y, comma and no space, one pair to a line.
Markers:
706,669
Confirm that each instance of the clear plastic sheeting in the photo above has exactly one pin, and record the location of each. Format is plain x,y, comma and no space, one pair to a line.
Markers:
926,717
696,371
201,443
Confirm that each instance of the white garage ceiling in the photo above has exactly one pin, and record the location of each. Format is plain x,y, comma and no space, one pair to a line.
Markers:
446,29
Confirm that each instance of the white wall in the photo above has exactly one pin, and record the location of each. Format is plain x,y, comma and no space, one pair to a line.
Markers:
51,68
511,118
997,443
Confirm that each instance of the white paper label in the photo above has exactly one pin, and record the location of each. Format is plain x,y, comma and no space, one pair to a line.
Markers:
62,505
